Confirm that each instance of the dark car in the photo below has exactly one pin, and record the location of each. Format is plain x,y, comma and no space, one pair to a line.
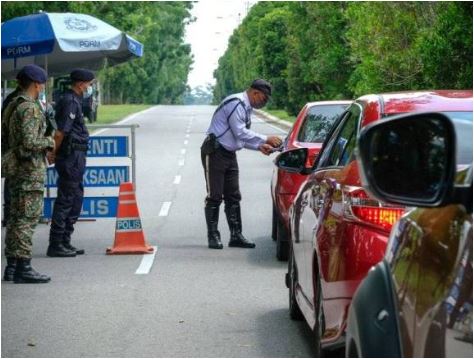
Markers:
417,302
309,131
337,230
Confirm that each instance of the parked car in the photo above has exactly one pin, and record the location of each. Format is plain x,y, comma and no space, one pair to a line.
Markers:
420,295
309,130
338,232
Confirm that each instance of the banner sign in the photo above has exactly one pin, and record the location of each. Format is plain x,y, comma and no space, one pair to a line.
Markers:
108,146
95,176
92,207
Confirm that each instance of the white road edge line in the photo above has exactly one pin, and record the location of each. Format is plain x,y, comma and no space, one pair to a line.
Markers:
257,120
126,119
165,208
177,179
147,262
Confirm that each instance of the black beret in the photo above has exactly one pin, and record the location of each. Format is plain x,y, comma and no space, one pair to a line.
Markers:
33,73
82,75
263,86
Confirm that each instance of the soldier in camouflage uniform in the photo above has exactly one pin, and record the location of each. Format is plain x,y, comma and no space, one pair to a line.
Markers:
24,165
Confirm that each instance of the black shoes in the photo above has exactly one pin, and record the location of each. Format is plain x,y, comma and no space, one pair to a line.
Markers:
70,247
56,249
25,273
234,220
10,269
238,240
212,219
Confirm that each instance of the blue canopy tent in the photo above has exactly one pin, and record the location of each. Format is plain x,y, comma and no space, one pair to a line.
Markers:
59,42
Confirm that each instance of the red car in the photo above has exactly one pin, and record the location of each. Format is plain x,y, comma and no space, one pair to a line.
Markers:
309,131
337,231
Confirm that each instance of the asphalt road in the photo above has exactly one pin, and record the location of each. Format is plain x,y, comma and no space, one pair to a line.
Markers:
194,302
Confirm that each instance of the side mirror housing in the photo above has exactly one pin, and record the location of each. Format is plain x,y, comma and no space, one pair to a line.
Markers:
409,159
293,161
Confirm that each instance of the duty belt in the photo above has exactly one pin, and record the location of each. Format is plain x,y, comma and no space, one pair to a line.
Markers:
79,147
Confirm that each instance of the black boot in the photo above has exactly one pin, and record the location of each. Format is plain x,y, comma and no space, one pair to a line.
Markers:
212,220
57,249
234,220
10,269
26,274
67,244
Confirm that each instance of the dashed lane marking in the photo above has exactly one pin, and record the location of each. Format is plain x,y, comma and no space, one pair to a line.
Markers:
147,262
165,208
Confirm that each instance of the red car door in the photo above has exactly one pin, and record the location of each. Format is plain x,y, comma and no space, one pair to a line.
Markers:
323,217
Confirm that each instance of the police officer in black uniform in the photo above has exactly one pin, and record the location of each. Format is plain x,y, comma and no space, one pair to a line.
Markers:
72,139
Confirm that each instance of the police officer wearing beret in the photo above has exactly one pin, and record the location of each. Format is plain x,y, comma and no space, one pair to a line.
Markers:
228,133
24,165
72,139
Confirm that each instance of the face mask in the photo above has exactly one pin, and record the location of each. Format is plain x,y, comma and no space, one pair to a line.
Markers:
88,92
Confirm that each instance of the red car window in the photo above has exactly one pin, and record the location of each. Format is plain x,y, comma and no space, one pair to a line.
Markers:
318,122
340,148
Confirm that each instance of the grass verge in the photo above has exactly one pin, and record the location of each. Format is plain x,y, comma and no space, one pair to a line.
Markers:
108,114
281,114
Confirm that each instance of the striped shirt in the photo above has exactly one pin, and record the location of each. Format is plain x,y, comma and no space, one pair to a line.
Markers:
234,134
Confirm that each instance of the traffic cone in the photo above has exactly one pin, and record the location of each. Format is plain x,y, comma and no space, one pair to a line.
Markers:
129,236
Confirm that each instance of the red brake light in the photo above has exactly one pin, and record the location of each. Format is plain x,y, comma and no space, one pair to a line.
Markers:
361,207
383,217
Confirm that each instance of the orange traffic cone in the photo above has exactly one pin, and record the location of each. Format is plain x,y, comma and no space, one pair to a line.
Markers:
129,236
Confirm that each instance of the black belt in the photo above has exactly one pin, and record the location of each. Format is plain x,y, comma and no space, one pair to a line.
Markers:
223,149
79,147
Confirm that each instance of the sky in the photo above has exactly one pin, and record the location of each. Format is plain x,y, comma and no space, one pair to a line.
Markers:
209,34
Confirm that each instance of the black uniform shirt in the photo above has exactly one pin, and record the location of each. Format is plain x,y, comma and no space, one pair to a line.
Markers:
70,118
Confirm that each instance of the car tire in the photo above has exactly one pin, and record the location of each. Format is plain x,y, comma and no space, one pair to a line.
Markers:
318,329
274,223
282,243
295,311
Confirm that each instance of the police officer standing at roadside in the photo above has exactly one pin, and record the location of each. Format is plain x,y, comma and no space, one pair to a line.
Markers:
24,165
230,132
72,139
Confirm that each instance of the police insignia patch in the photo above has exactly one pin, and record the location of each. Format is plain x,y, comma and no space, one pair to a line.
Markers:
72,115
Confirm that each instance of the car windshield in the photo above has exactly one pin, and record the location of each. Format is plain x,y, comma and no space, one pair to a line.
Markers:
463,126
318,122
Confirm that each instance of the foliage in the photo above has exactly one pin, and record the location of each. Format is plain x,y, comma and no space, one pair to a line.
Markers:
160,76
333,50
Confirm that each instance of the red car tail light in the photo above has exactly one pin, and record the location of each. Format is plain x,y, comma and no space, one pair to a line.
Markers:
359,206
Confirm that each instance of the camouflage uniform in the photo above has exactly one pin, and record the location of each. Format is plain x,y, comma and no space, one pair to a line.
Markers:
25,127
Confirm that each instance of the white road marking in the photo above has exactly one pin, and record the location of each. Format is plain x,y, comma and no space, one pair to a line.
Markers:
165,208
257,120
177,179
183,151
126,119
186,142
187,135
147,262
181,162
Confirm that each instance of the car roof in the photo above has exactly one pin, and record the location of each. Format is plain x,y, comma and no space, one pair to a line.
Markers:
387,104
322,103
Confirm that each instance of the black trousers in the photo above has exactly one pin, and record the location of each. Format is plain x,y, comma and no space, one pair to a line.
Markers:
68,204
222,177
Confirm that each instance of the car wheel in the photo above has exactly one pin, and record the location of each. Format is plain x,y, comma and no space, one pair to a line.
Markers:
274,223
295,311
318,329
282,241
